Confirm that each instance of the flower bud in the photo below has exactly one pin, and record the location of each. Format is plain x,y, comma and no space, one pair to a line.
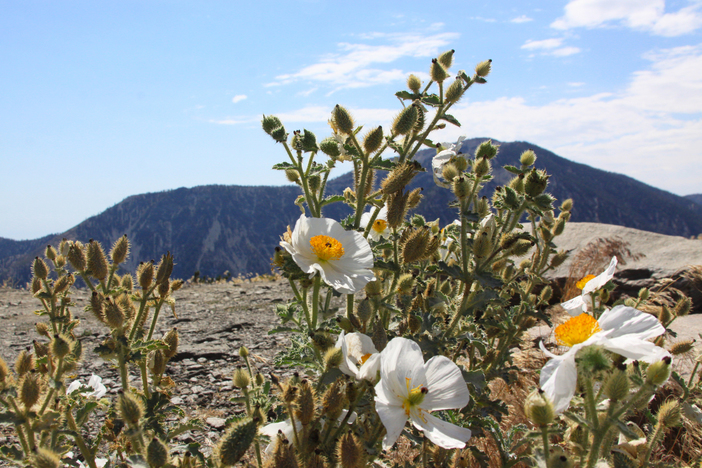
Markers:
449,172
682,347
157,453
127,282
486,150
350,452
397,209
120,250
342,120
546,293
559,227
50,253
114,316
270,123
157,362
658,373
664,315
461,187
373,140
24,363
593,360
567,205
379,336
131,408
145,274
535,182
399,177
669,414
309,142
617,386
164,268
405,120
305,410
235,442
539,409
454,91
437,71
30,388
414,197
517,183
414,83
332,358
527,158
683,306
330,147
39,269
241,378
63,283
171,339
482,244
446,59
414,322
279,135
521,247
45,458
481,167
97,261
76,256
60,346
558,259
483,68
643,294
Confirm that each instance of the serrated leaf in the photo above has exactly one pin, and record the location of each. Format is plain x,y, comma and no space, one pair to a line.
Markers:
283,166
383,164
332,199
432,99
453,270
512,169
11,452
406,95
451,119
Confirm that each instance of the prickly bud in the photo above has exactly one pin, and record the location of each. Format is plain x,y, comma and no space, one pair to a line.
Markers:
397,209
114,316
379,336
373,140
97,302
305,410
63,283
39,269
461,187
157,362
558,259
669,414
483,68
131,408
342,120
643,294
332,358
270,123
145,274
157,453
486,150
399,178
446,59
664,315
330,147
42,329
414,83
535,182
658,373
683,306
120,250
539,408
414,197
24,363
164,268
517,183
76,257
45,458
567,205
333,401
171,339
30,388
682,347
481,167
482,245
241,378
127,282
454,91
559,227
4,372
97,261
449,172
405,120
593,360
350,452
437,72
414,322
617,386
279,135
527,158
309,141
60,346
521,247
235,442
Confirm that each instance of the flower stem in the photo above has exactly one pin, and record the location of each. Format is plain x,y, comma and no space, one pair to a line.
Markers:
315,300
84,450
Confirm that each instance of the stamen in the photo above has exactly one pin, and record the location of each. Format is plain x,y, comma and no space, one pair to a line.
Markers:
326,248
577,330
581,284
380,225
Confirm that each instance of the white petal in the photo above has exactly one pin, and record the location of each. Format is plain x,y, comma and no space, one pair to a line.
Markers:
394,419
442,433
601,279
558,380
365,217
347,365
634,348
575,306
447,389
369,370
401,360
623,320
73,386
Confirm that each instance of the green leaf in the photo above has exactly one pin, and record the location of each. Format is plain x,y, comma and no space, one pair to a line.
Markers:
283,166
429,143
577,418
453,270
406,95
480,80
432,99
624,429
284,330
84,412
9,417
383,164
332,199
450,119
475,378
513,169
11,452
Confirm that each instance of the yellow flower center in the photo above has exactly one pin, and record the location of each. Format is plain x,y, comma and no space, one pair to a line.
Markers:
380,225
577,330
362,360
581,284
415,396
327,248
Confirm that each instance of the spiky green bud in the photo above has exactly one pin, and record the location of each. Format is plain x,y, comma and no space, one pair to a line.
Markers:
461,187
114,315
486,150
482,244
120,250
45,458
24,363
241,378
373,140
527,158
617,386
539,408
483,68
682,307
39,269
449,172
157,453
270,123
332,358
131,408
235,442
330,147
446,59
350,452
536,182
405,120
481,167
279,135
437,71
164,268
670,414
305,408
414,83
60,346
454,91
342,120
30,388
97,261
145,274
63,283
171,339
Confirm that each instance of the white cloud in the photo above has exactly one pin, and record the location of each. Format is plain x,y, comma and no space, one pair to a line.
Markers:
550,47
651,131
521,19
360,65
644,15
321,114
239,97
576,84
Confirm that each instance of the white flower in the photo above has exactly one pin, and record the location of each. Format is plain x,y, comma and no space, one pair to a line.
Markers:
622,330
580,304
343,258
361,359
380,225
411,389
99,462
95,383
286,427
440,160
445,253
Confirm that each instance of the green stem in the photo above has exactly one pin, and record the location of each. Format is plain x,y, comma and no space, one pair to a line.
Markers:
305,308
144,378
84,450
657,433
159,304
140,314
544,438
349,306
315,300
52,390
18,427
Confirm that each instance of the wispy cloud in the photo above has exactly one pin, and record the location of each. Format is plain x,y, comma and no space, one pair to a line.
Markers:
550,47
521,19
359,65
238,98
644,15
652,130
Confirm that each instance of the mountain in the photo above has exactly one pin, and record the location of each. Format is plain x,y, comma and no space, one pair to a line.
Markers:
696,197
218,228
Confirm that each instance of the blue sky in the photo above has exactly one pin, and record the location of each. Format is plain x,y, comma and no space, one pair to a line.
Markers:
102,100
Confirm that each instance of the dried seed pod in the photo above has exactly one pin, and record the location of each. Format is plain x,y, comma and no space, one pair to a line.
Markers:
145,274
39,269
157,453
120,250
97,261
171,339
30,388
164,268
76,256
24,363
350,452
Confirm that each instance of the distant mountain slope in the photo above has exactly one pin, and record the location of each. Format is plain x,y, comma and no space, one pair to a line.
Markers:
697,198
216,228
